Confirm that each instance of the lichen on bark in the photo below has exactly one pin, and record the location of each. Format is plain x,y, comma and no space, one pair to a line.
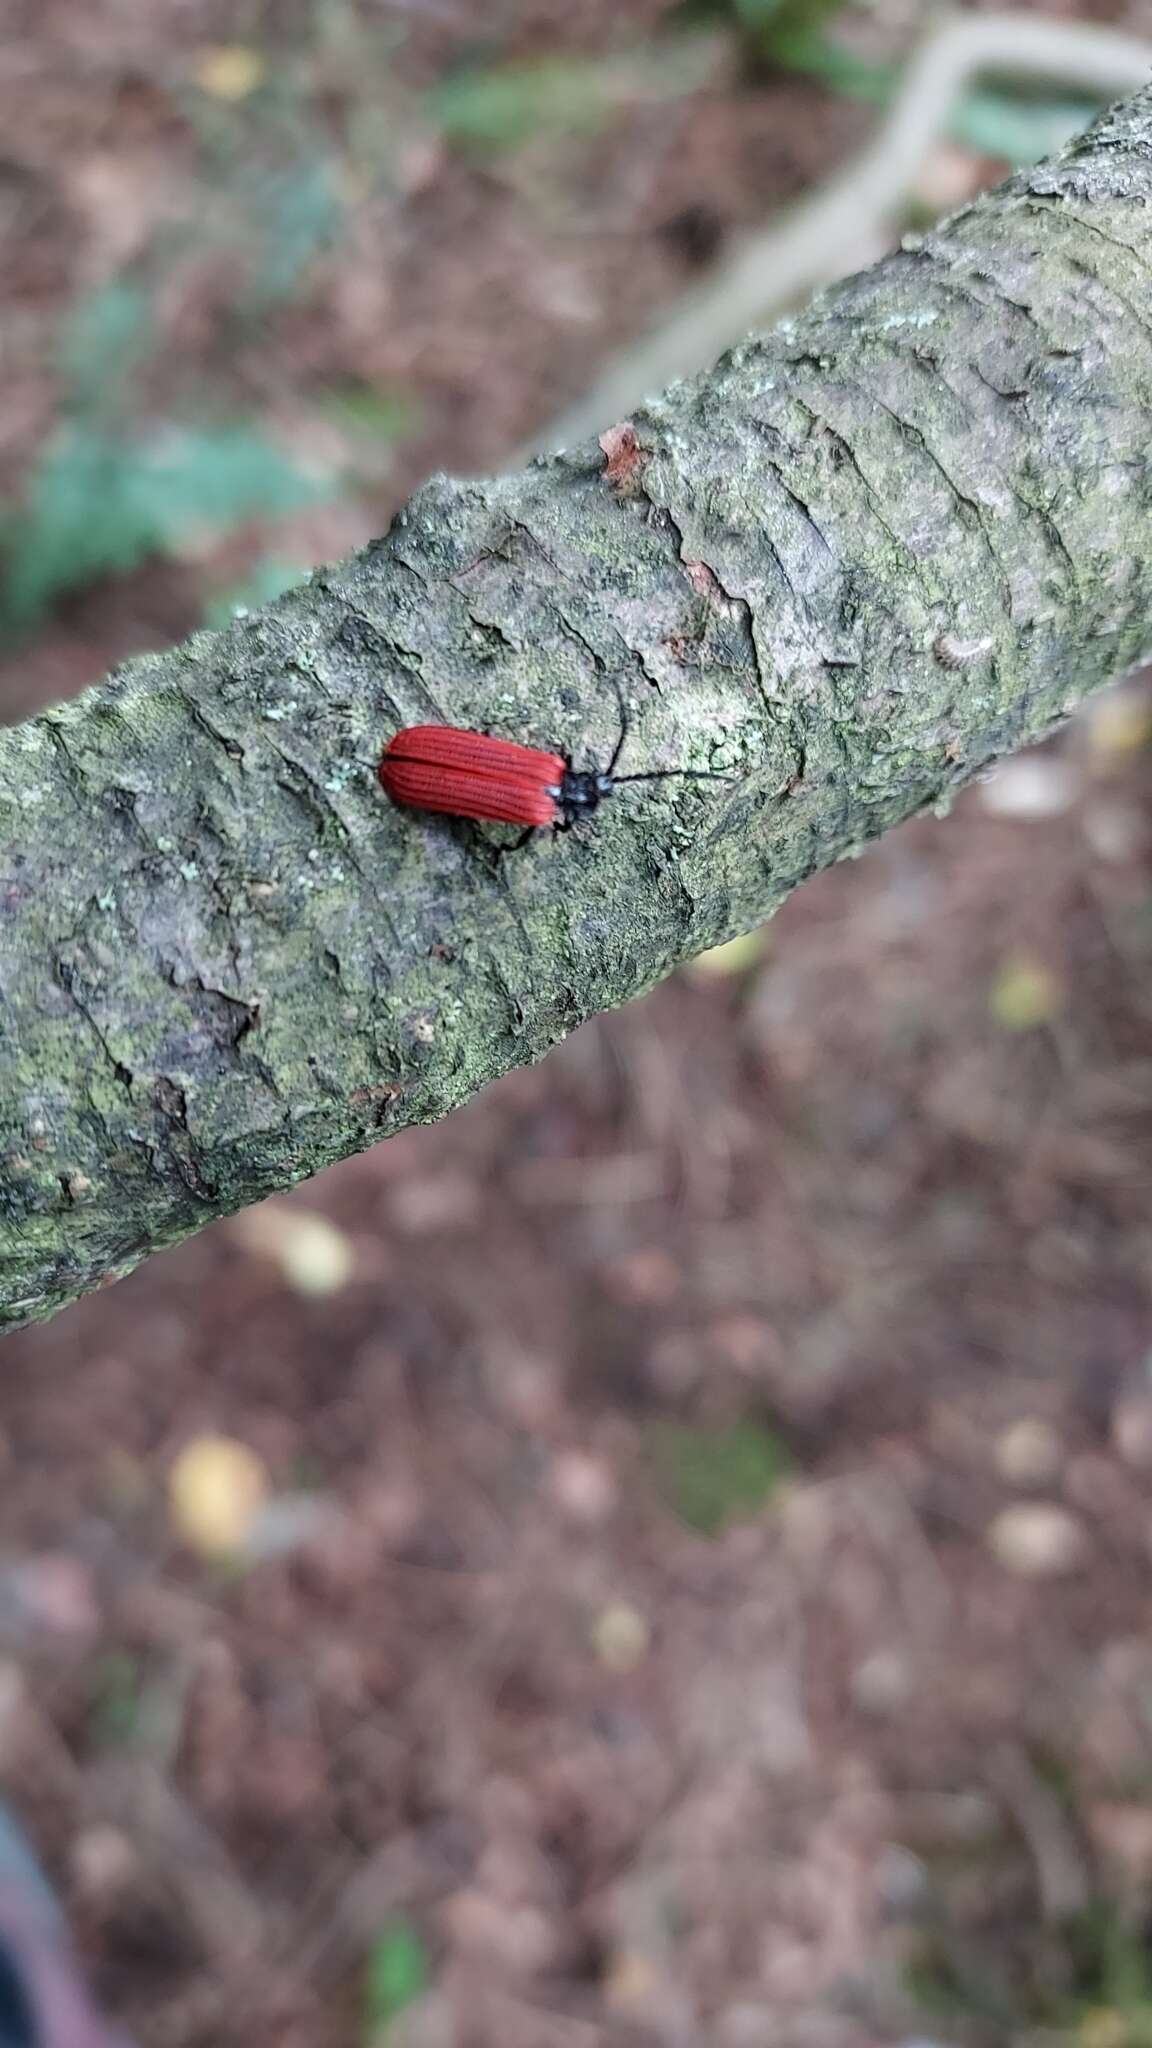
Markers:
868,553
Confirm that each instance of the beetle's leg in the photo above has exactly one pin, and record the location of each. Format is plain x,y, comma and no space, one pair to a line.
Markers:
500,853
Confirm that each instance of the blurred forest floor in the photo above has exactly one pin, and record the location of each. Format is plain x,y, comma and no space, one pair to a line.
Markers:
664,1558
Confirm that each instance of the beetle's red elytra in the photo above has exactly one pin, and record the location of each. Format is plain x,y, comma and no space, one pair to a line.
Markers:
473,775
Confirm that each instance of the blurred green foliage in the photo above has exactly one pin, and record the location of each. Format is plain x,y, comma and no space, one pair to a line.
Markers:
277,178
116,1700
1020,128
104,496
1086,1983
365,411
771,27
712,1476
103,344
495,108
499,107
397,1975
99,504
294,213
269,578
1113,2008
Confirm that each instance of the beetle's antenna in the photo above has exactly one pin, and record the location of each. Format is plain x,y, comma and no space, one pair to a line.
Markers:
651,774
619,747
662,775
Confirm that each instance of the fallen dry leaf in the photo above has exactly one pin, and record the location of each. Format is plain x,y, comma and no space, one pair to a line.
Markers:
1025,994
229,71
1038,1540
216,1489
621,1637
314,1257
735,956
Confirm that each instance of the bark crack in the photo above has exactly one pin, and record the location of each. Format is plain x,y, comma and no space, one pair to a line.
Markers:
66,977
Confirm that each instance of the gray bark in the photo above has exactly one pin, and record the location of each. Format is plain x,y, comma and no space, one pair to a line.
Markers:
864,556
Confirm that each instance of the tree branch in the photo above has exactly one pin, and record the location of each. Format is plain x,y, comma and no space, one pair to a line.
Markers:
868,553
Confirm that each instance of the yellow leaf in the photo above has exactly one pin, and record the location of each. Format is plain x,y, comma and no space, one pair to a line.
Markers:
1025,993
736,956
314,1257
1121,723
630,1980
1104,2027
216,1489
229,71
621,1637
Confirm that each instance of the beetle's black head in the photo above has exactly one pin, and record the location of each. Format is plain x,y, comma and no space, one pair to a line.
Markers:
582,791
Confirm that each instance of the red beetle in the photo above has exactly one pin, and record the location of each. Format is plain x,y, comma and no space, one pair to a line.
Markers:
473,775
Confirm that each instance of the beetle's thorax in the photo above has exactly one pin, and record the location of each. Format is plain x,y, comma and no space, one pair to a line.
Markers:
582,790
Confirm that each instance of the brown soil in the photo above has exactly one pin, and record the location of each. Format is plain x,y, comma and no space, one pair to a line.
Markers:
880,1191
